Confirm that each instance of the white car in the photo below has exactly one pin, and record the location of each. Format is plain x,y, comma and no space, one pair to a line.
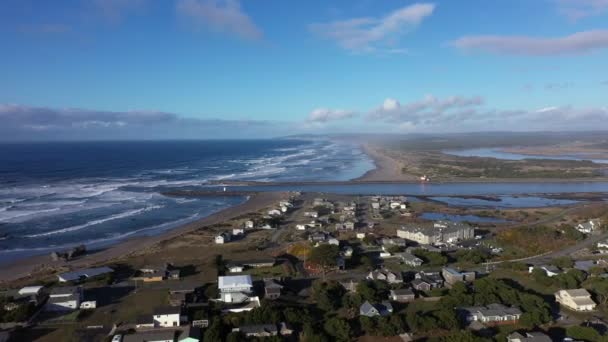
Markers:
117,338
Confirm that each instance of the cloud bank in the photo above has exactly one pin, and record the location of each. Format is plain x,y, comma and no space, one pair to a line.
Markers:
323,115
367,34
578,43
21,122
220,15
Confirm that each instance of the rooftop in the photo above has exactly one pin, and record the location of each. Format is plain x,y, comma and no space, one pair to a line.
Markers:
235,281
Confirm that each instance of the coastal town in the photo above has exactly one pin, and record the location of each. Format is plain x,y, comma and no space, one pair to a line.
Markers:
328,267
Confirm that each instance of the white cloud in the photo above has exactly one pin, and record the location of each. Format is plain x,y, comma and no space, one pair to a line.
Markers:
220,15
575,10
578,43
368,34
323,115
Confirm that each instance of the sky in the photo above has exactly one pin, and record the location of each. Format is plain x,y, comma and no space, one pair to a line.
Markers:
198,69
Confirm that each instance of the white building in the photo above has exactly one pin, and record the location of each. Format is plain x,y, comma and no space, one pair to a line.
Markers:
589,227
64,298
274,212
577,300
222,238
235,289
249,224
30,291
238,231
438,232
169,316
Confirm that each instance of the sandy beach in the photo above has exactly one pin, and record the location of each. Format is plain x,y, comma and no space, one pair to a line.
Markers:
387,168
41,265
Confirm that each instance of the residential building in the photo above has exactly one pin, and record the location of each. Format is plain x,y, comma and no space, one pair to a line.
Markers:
350,285
235,289
272,289
437,232
409,259
190,334
249,224
83,274
589,226
167,316
235,267
493,314
64,298
378,309
257,263
390,242
275,212
426,281
258,330
576,300
385,275
402,295
536,336
550,270
223,238
452,276
238,231
312,214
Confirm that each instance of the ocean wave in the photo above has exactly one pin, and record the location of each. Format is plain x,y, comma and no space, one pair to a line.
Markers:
96,222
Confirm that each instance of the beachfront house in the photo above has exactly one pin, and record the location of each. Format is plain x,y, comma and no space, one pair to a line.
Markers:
64,298
84,274
235,289
385,275
452,276
167,316
576,300
223,238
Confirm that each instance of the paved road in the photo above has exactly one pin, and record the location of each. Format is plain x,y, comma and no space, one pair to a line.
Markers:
568,251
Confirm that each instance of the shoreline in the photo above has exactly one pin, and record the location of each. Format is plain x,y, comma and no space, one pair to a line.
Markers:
42,264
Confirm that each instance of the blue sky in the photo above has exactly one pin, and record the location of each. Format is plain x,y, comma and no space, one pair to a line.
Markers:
203,68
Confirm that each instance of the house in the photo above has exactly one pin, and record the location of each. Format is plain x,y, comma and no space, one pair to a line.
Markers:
585,265
340,263
437,232
402,295
83,274
349,225
235,267
174,274
275,212
190,334
385,275
144,322
409,259
249,224
235,289
238,231
360,236
549,270
536,336
222,238
333,241
151,336
492,314
576,300
451,276
30,291
312,214
349,285
347,251
167,316
258,263
373,310
589,227
426,281
258,330
301,226
317,237
272,289
390,242
248,304
603,245
64,298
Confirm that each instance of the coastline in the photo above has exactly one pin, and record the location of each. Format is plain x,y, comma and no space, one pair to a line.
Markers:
42,264
387,169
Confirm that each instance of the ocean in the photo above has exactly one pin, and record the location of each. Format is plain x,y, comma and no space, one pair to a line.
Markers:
61,194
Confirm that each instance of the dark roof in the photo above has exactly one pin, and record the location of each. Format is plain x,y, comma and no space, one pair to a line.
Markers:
65,290
191,332
167,310
144,319
258,328
402,292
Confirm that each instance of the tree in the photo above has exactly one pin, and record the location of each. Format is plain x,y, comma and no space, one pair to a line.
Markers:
235,336
431,258
372,290
215,332
310,334
563,262
325,255
583,333
338,328
328,295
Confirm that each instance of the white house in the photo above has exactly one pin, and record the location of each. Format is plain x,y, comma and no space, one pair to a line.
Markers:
577,300
360,236
235,289
169,316
249,224
30,291
222,238
550,270
274,212
603,244
300,226
235,268
312,214
64,298
238,231
589,227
